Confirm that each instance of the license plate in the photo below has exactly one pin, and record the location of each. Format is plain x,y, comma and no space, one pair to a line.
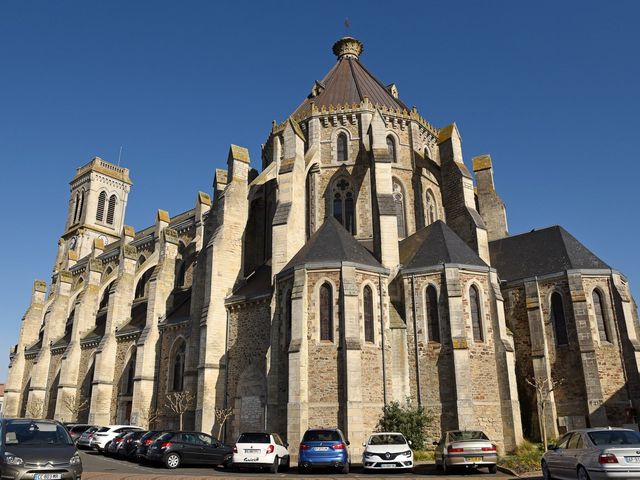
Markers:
632,459
251,450
321,449
47,476
387,465
473,459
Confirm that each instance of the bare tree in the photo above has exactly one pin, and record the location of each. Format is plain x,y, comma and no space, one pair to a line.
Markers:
179,403
75,405
222,415
543,387
35,408
148,417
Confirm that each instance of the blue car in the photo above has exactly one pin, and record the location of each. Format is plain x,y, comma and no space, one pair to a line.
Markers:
324,447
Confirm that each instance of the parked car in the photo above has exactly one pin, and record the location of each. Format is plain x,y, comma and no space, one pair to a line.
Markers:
77,429
84,441
127,448
104,435
37,449
145,441
387,451
181,448
111,448
261,450
324,447
594,453
465,449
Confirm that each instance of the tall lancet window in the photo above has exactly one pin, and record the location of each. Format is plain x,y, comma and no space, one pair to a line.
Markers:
398,200
342,147
177,372
476,313
75,214
343,204
102,199
391,147
433,321
111,210
558,319
326,312
430,208
601,320
367,303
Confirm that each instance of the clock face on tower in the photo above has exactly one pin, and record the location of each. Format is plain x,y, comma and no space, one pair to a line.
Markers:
105,240
73,242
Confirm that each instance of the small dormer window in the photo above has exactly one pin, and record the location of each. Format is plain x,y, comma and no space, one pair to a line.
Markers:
342,147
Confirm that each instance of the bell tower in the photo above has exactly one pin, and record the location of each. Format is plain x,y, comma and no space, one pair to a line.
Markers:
99,192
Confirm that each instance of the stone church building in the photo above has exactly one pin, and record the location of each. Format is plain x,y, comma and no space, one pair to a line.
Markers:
357,263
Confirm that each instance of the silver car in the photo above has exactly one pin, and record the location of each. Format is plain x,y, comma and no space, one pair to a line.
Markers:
467,449
594,454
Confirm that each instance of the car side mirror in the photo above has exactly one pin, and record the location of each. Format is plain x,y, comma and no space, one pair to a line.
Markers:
348,442
286,445
410,442
364,444
551,446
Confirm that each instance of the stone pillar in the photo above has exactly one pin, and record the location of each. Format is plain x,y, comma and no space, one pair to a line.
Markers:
53,330
506,364
352,351
540,352
458,195
85,316
595,400
29,331
298,405
491,206
289,220
460,342
119,310
161,285
386,231
223,268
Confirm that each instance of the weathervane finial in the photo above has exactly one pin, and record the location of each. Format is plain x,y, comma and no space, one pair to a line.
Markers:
347,24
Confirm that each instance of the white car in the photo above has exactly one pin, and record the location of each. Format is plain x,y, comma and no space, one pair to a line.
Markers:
104,435
387,451
259,450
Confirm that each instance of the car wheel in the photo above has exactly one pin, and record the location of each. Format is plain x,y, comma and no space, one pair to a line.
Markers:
493,469
287,464
582,474
105,450
274,466
345,469
172,461
546,473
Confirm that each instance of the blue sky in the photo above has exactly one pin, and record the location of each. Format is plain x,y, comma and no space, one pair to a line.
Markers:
549,89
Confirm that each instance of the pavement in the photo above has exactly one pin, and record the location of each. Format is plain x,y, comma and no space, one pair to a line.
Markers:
98,467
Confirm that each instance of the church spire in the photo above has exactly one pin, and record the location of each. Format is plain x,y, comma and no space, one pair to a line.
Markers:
348,47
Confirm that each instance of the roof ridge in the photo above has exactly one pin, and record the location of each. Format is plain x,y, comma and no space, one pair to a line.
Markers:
355,79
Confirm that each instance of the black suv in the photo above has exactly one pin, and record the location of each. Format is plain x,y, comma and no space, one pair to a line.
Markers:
194,448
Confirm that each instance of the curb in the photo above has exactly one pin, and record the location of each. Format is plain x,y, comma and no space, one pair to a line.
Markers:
508,471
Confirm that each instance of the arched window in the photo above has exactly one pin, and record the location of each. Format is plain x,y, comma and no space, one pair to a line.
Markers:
601,320
104,302
141,287
343,204
82,193
75,212
111,211
430,208
342,147
367,301
398,200
177,370
433,321
126,383
102,199
326,312
391,147
558,319
476,321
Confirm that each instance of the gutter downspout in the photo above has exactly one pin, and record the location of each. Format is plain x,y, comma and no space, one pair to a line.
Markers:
384,373
415,338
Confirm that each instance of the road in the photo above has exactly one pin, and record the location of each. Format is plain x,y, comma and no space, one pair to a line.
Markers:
98,467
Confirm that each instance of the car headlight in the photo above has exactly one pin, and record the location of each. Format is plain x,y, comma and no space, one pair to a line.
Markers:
12,459
407,453
75,460
368,454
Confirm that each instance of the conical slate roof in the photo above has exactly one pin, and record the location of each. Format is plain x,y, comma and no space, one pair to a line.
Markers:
347,83
435,245
541,252
331,243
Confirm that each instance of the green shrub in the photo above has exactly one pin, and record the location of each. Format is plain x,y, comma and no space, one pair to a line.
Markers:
526,458
407,419
423,455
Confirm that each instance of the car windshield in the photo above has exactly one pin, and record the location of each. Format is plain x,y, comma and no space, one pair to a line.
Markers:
33,432
615,437
77,429
387,439
254,438
465,436
104,429
321,436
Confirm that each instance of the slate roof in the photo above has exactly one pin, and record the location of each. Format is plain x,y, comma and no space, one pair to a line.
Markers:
348,82
541,252
181,309
138,318
434,245
331,243
256,285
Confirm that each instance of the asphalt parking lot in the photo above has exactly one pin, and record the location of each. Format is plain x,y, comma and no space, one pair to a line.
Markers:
99,467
